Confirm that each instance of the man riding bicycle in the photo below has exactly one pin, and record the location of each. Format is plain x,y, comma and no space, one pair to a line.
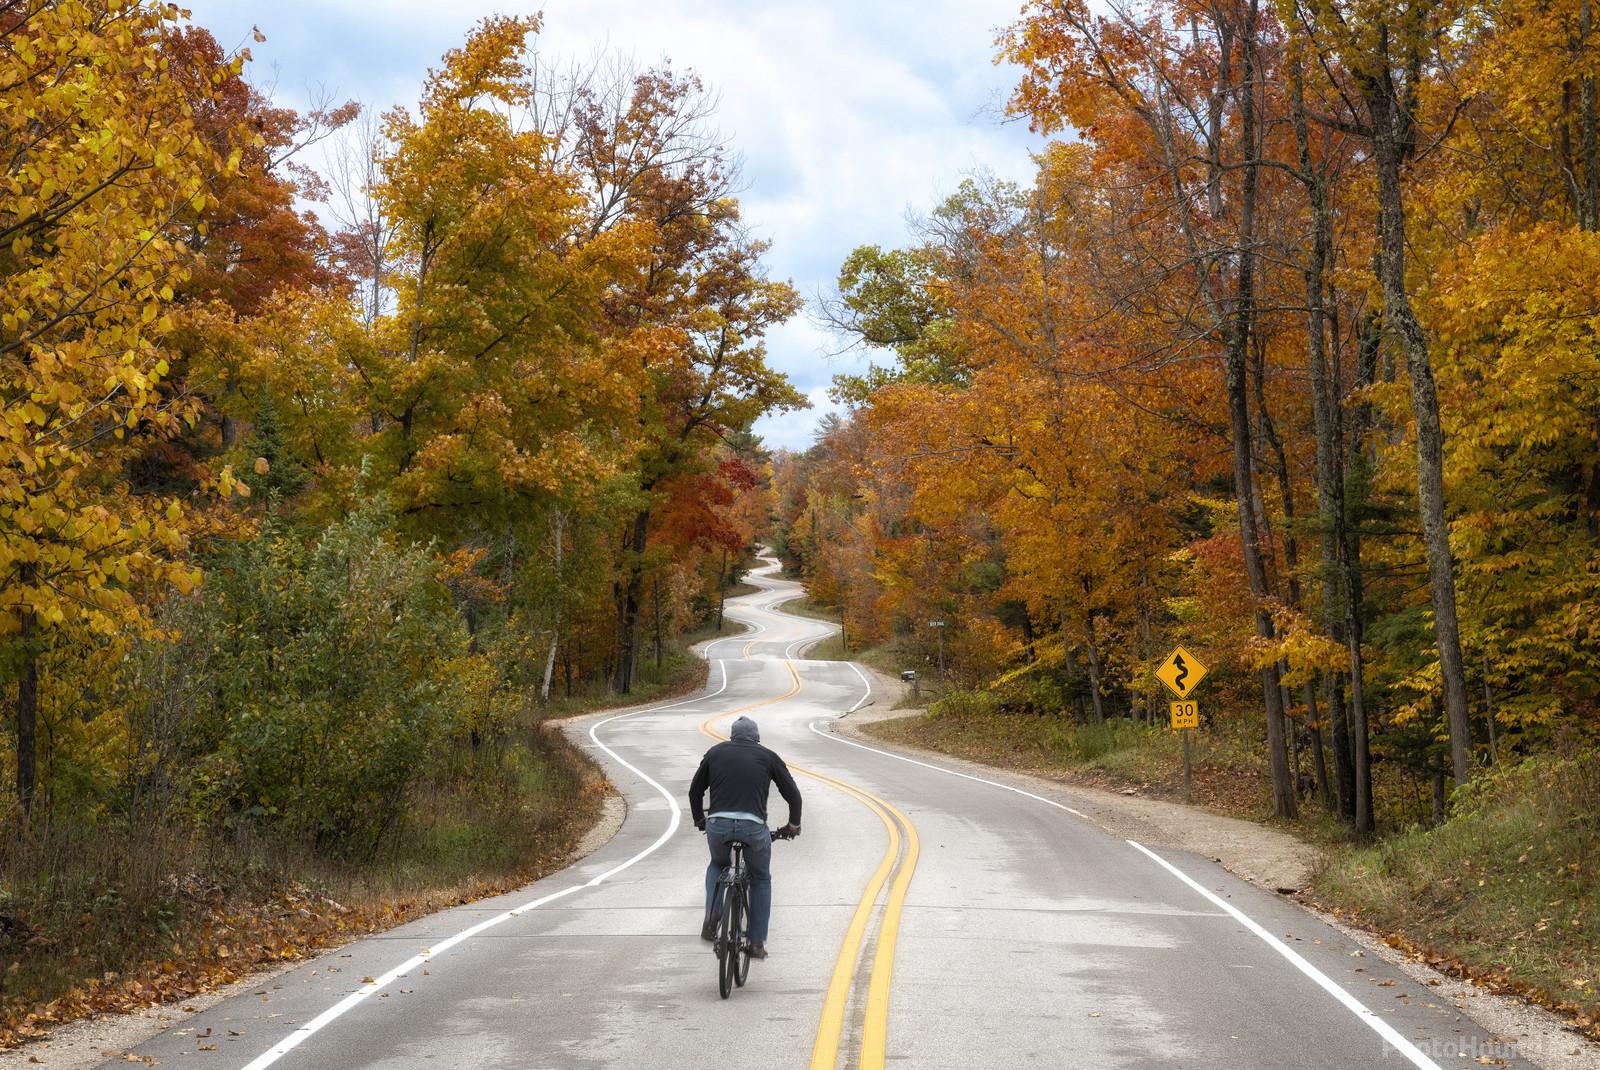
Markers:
739,773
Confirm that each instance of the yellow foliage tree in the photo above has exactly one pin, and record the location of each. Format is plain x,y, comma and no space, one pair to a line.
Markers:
102,161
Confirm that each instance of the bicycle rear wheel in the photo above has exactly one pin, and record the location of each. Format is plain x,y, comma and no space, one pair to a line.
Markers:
740,898
727,941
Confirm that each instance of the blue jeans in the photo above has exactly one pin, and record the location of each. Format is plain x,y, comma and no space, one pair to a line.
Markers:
757,861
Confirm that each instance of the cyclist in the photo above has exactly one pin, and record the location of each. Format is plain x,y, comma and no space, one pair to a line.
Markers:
739,773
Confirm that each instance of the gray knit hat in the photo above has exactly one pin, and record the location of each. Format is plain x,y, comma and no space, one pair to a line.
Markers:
745,730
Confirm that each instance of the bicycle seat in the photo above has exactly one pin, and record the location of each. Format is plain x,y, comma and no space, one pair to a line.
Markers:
737,843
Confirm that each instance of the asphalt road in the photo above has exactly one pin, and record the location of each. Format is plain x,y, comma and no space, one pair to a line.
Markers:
924,920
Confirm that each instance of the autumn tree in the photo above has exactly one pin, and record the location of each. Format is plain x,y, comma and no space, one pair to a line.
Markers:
1386,51
106,163
1189,102
692,321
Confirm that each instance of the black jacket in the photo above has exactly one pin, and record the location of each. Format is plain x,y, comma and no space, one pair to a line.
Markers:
739,774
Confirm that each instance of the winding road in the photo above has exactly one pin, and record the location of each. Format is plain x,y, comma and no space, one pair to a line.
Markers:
926,919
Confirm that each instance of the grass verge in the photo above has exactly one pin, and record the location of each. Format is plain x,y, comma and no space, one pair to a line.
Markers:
678,673
1118,754
121,915
1506,891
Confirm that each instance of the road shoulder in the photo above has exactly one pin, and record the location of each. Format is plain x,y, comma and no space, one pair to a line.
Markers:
1267,857
1270,858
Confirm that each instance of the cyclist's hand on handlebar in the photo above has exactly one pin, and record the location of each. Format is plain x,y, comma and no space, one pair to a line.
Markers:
700,824
788,832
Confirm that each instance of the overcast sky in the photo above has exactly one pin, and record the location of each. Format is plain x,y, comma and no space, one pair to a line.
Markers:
847,113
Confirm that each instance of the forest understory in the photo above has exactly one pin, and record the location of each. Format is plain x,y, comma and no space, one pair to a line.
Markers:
129,915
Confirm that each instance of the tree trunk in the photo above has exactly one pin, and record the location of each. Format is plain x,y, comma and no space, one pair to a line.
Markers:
1277,756
28,714
1489,715
1319,762
1238,338
1291,555
655,596
1327,420
1071,668
1350,578
628,603
1293,725
722,589
1385,110
549,667
1364,825
1094,673
1438,793
1146,654
558,525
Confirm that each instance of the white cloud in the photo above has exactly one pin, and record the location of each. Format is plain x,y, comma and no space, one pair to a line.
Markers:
796,430
848,114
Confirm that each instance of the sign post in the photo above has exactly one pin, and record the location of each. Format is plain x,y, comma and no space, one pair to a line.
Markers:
1186,715
938,625
1180,674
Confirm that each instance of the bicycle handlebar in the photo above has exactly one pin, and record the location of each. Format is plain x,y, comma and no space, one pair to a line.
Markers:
776,834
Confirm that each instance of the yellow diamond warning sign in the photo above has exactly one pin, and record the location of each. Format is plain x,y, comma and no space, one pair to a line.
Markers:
1181,672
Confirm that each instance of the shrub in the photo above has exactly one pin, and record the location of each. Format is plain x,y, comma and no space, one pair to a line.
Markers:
320,682
966,704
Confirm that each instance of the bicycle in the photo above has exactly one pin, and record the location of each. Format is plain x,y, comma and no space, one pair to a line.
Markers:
732,904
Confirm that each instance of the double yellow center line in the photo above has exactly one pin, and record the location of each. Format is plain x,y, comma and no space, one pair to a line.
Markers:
875,1027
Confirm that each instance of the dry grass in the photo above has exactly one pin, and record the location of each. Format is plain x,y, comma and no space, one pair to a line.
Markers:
680,673
1118,754
124,913
1506,891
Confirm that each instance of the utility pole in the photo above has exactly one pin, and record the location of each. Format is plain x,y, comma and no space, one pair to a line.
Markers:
938,627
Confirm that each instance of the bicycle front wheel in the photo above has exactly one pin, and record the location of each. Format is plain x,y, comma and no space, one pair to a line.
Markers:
740,897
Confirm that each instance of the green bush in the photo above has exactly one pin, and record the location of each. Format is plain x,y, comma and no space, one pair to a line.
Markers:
329,676
1040,693
966,704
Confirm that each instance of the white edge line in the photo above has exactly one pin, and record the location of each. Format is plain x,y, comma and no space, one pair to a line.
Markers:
1390,1035
756,628
937,768
300,1035
1327,984
805,642
864,682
